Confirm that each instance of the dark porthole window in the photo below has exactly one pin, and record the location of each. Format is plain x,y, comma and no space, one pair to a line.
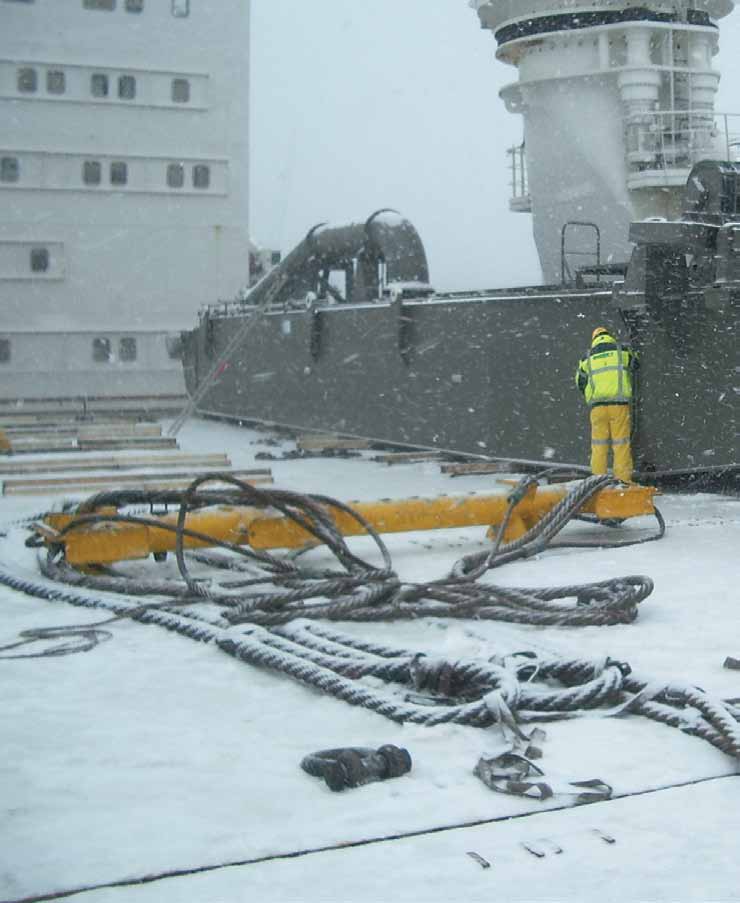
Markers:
134,6
99,84
92,172
4,351
107,5
126,87
9,169
39,260
180,90
174,346
175,175
56,82
118,173
201,176
101,350
28,80
127,349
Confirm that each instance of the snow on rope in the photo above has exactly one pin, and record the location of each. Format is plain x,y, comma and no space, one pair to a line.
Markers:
279,630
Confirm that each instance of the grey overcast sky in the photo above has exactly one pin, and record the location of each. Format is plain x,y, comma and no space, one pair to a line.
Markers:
362,104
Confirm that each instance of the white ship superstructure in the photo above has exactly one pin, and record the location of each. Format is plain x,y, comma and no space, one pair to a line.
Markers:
123,187
618,104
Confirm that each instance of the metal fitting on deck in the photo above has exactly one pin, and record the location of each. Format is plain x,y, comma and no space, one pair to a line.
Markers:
353,766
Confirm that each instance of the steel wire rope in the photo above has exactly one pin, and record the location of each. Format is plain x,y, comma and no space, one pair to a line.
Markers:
308,512
335,663
365,592
88,636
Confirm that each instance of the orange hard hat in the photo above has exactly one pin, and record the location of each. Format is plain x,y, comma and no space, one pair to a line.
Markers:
600,330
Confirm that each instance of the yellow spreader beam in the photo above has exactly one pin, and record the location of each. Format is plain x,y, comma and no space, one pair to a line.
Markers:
90,544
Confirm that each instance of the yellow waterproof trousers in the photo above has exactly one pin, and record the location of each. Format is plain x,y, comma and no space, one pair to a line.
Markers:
611,425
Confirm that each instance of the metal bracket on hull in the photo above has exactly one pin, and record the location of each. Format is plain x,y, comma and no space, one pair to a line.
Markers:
316,329
404,323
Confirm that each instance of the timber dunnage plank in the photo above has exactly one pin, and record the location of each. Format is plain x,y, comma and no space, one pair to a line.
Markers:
564,474
42,445
321,443
127,406
408,457
111,462
71,443
472,468
115,481
128,442
122,429
49,421
84,488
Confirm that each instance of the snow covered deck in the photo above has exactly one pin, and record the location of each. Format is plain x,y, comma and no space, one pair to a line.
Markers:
167,768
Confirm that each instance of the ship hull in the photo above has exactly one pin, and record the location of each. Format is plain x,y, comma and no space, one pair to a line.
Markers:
489,375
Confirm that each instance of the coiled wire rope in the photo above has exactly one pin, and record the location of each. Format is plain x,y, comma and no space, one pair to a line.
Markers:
283,589
277,629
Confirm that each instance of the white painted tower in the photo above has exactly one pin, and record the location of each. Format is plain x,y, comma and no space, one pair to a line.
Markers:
618,104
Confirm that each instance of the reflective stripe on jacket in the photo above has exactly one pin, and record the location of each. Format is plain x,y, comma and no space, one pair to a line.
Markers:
604,375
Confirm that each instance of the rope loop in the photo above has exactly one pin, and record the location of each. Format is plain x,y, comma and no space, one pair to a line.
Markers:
272,618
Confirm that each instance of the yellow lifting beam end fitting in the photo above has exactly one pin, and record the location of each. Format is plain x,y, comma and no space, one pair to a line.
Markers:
105,543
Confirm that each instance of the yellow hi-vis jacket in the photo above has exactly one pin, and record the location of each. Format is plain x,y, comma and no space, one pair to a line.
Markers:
604,376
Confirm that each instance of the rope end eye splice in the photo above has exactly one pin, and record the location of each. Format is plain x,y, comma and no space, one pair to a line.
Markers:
353,766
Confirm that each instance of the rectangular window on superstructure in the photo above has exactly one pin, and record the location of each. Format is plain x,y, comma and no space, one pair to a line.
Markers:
91,172
99,84
101,350
9,169
127,349
39,260
180,90
735,239
126,87
107,5
134,6
118,173
180,8
28,80
175,175
4,351
56,82
201,176
173,344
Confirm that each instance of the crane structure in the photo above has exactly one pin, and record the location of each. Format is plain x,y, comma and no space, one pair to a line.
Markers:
618,103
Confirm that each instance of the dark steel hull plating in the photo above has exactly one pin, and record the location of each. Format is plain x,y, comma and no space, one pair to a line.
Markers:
489,375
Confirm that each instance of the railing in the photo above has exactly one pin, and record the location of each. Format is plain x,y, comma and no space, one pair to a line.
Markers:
668,140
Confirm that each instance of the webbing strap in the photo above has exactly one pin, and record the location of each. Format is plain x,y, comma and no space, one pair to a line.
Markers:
517,776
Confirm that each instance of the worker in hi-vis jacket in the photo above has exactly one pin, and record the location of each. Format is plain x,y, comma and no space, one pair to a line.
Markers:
604,376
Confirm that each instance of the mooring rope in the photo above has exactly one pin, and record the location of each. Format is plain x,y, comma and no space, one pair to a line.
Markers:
474,692
279,630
